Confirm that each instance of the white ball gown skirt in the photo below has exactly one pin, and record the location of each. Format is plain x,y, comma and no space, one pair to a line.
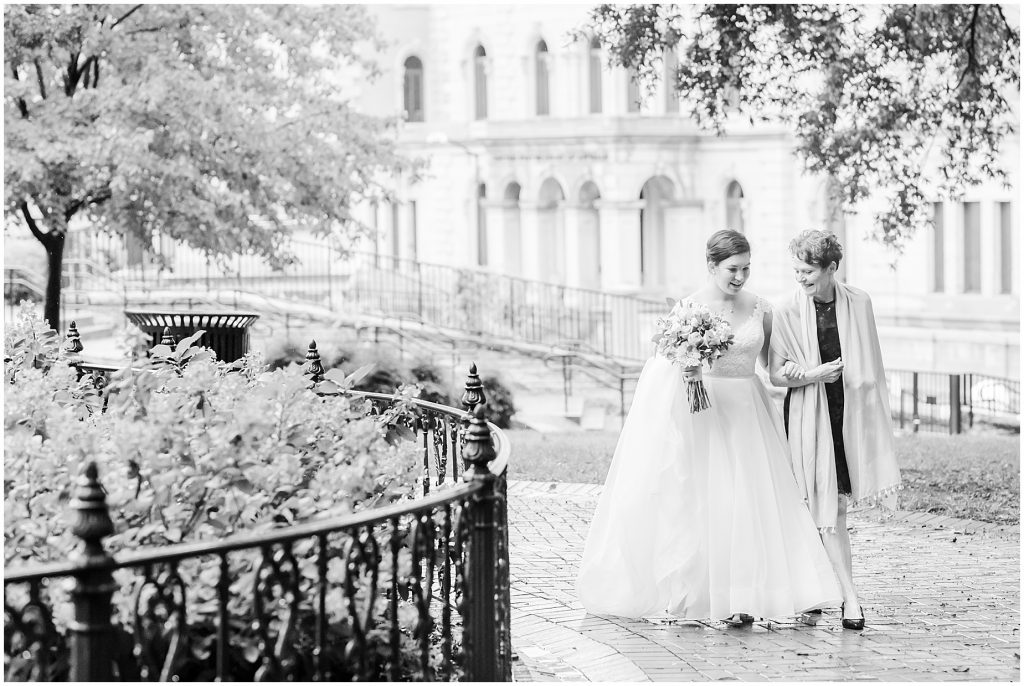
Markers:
700,513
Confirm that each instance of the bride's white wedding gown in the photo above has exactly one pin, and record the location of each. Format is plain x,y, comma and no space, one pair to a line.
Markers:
700,513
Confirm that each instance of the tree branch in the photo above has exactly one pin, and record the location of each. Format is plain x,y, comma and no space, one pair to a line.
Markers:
96,199
970,48
22,107
125,16
999,9
39,78
32,226
72,75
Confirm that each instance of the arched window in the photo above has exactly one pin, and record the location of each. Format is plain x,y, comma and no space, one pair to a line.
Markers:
541,58
632,90
595,76
671,96
551,231
412,89
734,207
480,81
656,195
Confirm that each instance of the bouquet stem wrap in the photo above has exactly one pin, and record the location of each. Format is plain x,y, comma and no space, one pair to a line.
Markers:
696,391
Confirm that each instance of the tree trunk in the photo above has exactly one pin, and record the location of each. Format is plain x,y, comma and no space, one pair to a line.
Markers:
55,257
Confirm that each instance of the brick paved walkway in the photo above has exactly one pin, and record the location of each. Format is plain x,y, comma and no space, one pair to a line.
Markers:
941,595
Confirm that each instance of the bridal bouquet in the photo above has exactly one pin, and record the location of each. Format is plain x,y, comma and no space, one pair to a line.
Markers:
689,336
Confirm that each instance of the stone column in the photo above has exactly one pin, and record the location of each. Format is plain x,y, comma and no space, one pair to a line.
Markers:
685,237
529,230
494,217
573,247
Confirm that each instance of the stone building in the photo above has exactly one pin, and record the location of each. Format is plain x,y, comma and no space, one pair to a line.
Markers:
545,163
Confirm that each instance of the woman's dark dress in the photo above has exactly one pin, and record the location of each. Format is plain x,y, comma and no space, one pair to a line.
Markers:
828,346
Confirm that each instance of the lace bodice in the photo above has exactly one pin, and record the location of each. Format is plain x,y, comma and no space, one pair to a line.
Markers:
740,358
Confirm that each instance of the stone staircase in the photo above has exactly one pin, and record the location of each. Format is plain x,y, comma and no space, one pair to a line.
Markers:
545,401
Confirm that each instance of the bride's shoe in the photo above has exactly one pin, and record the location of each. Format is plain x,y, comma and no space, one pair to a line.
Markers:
855,624
739,619
810,617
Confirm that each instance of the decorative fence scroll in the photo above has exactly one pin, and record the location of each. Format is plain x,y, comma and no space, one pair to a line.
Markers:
413,591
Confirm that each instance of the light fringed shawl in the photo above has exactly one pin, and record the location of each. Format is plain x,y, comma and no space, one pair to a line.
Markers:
867,423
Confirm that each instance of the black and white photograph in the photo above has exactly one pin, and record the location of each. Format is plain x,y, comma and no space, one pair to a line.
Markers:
512,342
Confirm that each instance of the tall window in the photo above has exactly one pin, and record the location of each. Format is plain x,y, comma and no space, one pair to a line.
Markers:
734,207
938,248
412,89
1005,248
481,226
671,96
541,58
632,90
480,81
972,247
595,76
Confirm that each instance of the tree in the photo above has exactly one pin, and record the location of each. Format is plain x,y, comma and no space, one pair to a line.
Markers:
223,126
872,92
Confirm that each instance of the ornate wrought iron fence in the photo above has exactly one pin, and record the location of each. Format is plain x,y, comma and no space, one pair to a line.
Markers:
315,601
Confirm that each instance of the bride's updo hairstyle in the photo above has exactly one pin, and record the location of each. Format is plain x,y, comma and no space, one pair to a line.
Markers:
724,244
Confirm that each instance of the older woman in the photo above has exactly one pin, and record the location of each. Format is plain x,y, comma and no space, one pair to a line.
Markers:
825,349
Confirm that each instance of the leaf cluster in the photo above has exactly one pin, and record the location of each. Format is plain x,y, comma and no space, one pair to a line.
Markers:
878,97
193,449
220,125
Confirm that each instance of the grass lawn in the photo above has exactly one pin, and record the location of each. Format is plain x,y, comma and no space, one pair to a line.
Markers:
968,476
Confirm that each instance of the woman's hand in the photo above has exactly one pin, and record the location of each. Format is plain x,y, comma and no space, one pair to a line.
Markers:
827,372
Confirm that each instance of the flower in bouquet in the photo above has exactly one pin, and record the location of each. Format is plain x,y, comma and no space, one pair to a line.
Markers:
690,335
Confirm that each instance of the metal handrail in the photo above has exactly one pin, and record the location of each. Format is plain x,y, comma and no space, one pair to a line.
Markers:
179,551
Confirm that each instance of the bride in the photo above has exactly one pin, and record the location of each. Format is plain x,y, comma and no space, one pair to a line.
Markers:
700,513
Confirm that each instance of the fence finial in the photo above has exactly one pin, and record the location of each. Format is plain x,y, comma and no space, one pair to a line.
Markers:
167,338
479,450
474,394
91,518
91,633
73,340
313,368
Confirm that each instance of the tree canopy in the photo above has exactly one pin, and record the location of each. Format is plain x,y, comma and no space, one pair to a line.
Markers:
224,126
878,97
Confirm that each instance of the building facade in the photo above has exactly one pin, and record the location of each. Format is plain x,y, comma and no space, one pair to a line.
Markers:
543,162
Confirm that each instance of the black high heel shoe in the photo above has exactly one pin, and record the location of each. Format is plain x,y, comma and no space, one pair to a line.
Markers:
855,624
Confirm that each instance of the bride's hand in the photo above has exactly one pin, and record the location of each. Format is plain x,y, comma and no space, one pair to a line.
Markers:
791,370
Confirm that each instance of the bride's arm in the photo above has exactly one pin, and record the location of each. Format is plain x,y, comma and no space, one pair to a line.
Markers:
763,356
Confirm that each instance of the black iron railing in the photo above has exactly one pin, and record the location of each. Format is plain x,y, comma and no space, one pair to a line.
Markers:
473,300
321,600
951,403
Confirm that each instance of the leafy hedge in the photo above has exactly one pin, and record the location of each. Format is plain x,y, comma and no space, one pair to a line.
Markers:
191,449
390,372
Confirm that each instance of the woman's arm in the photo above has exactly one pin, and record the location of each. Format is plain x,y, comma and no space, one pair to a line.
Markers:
787,374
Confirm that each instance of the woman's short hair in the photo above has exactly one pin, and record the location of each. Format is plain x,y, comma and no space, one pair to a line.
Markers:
724,244
820,248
